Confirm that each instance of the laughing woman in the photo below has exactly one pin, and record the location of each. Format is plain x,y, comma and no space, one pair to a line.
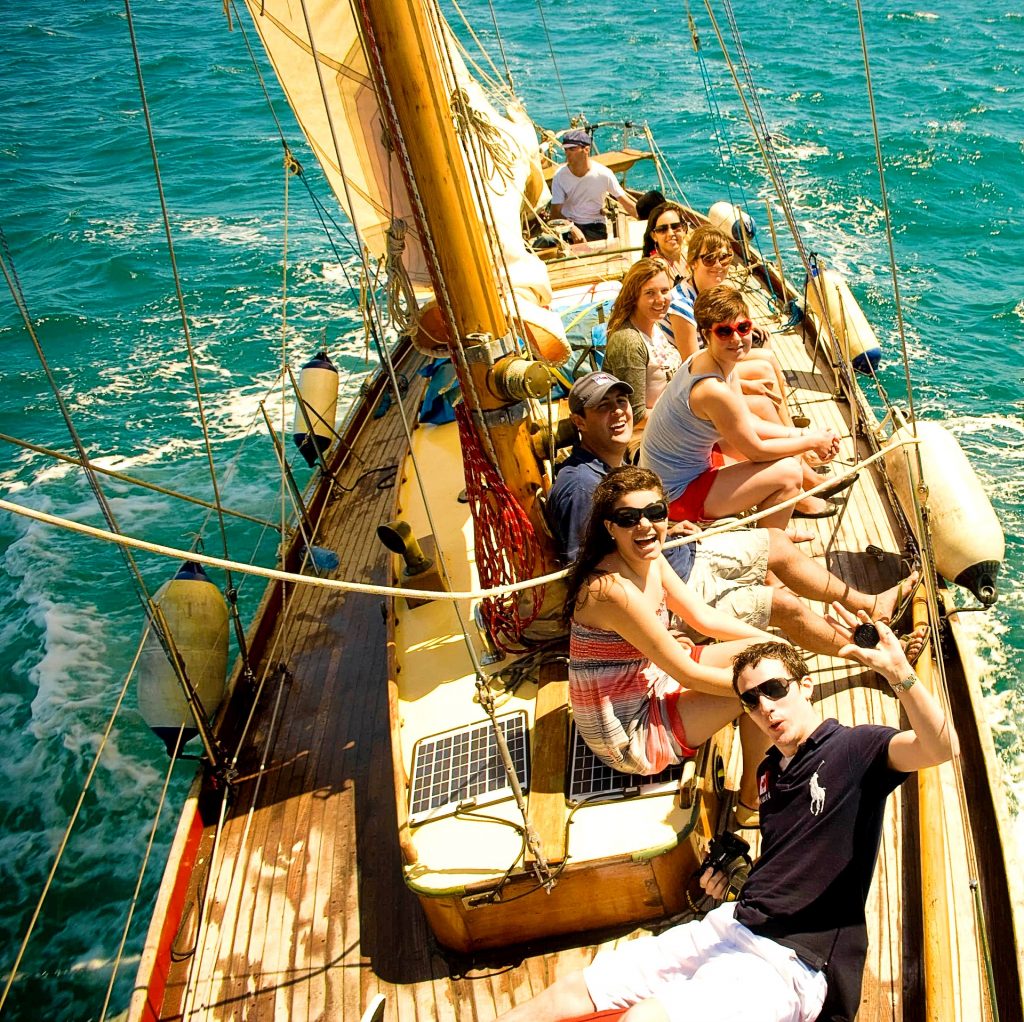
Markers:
642,697
637,351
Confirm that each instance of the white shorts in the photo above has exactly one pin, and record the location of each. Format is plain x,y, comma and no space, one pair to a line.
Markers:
729,572
713,968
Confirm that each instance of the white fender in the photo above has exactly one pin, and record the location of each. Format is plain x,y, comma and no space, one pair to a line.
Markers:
966,534
197,618
313,429
731,220
852,330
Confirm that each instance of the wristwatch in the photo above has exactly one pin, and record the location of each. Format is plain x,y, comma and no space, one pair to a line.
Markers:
906,684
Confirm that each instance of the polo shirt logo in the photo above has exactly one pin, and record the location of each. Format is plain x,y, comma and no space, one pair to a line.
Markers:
817,793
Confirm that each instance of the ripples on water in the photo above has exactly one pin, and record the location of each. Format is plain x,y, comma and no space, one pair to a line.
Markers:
81,217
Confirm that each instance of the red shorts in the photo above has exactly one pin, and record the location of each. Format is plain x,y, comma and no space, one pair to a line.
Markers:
689,505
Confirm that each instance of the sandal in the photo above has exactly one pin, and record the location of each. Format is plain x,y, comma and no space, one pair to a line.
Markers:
843,484
915,643
904,603
828,511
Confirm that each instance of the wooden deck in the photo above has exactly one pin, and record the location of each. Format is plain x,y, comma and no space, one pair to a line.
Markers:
297,907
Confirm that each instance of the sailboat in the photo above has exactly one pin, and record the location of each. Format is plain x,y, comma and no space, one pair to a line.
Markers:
397,818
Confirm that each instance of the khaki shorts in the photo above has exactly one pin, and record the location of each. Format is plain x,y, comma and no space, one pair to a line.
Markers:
729,572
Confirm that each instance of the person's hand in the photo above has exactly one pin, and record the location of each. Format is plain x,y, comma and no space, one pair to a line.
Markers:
683,528
715,884
576,235
761,388
760,336
888,657
682,638
826,444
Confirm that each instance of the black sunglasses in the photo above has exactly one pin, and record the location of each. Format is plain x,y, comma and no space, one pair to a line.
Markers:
664,228
773,689
629,517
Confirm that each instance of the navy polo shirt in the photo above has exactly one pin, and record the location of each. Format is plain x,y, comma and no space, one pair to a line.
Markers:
571,498
821,824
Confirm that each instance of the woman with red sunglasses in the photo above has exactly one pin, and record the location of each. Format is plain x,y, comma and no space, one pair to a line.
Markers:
703,411
644,697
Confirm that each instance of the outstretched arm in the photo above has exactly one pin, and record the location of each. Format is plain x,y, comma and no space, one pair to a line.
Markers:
931,739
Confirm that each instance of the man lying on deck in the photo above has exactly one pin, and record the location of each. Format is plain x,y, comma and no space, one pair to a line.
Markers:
727,571
792,946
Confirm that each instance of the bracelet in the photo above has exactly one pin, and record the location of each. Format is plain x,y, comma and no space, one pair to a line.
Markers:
906,684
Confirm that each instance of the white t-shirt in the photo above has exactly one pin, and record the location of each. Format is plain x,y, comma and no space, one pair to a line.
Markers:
582,198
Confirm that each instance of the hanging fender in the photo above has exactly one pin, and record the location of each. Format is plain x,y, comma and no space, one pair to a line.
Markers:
966,534
197,619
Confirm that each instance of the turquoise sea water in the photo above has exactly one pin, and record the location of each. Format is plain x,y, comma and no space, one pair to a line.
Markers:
80,214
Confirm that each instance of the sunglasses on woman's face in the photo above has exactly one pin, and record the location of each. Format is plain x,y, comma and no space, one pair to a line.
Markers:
629,517
726,330
665,228
773,689
713,258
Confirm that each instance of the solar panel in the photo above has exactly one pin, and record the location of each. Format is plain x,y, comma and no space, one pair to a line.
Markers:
456,766
591,780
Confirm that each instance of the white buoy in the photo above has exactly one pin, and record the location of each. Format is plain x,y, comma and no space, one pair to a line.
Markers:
197,618
966,535
852,330
731,220
313,430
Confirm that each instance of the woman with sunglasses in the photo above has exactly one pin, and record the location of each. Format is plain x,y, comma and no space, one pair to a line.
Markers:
637,351
703,415
643,697
664,237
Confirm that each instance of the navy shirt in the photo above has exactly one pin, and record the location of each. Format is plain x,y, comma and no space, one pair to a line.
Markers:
821,823
571,498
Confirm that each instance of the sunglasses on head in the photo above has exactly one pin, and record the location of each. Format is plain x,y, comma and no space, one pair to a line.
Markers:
711,259
629,517
773,689
664,228
726,330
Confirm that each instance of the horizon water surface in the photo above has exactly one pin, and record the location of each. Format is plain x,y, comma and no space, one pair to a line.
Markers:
80,215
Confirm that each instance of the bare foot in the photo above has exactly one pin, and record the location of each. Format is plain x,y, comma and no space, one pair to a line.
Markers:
885,604
801,536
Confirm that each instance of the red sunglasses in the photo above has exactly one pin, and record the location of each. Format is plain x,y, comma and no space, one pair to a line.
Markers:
726,330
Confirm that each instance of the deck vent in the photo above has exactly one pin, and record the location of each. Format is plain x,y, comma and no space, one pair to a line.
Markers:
592,781
456,766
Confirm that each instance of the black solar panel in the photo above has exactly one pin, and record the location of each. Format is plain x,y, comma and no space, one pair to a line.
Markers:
589,777
465,764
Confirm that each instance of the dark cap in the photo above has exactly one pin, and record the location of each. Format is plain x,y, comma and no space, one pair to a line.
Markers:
589,390
577,137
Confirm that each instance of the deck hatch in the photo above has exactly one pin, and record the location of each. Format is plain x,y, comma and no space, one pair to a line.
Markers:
455,766
591,780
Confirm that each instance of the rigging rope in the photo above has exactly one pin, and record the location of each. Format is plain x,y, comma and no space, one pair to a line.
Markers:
427,594
554,59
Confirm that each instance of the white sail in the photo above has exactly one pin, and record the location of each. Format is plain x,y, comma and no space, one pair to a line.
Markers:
348,134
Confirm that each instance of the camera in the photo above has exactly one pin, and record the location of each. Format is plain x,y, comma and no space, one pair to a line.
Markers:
866,635
729,854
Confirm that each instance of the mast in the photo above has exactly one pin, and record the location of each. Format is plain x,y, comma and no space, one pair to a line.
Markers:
401,49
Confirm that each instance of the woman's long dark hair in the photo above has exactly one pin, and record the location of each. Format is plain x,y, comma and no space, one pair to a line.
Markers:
597,542
650,246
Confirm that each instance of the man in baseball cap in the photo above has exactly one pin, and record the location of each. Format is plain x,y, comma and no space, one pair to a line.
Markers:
580,185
